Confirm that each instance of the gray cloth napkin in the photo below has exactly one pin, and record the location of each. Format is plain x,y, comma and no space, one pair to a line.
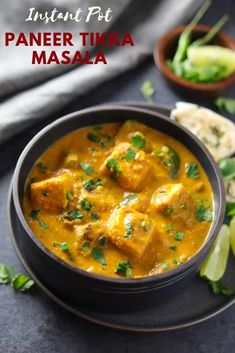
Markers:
36,91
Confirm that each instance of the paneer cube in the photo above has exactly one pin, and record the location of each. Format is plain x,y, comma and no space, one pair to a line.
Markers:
88,234
50,194
131,231
172,200
130,129
128,166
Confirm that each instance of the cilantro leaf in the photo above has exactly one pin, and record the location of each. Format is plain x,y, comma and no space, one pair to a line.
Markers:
34,214
114,167
130,155
218,288
203,213
42,224
98,255
170,159
138,140
69,196
73,215
147,89
102,240
92,137
92,184
21,283
86,246
230,209
192,170
4,274
179,236
124,268
227,104
87,168
86,205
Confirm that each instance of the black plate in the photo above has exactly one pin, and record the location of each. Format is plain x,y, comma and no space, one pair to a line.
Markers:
193,305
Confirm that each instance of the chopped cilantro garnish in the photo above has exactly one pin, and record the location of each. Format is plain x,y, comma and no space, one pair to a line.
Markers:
34,214
92,137
179,236
21,283
69,196
114,167
203,213
218,288
192,170
94,215
172,247
98,255
167,211
42,167
4,274
86,205
86,246
130,155
165,265
65,247
87,168
73,215
93,184
124,269
170,159
138,140
102,240
42,224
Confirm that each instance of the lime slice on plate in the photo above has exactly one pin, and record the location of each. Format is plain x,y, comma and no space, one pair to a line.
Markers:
208,55
232,234
215,264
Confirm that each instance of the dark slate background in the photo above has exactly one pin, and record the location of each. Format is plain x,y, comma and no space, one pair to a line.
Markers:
31,322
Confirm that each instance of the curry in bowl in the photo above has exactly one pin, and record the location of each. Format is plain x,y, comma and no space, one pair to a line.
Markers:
121,200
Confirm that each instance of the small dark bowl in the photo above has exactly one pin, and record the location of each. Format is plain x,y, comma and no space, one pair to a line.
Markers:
165,49
88,289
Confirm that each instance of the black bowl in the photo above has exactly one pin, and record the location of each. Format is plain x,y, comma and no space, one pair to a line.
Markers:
81,287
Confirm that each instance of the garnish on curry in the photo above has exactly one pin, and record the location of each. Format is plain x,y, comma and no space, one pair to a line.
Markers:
120,200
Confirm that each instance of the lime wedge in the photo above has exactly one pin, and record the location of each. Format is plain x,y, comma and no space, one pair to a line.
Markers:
215,264
232,235
211,55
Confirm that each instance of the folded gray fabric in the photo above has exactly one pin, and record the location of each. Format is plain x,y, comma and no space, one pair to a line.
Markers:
40,90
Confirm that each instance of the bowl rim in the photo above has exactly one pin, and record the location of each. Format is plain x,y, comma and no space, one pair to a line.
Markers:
160,60
165,276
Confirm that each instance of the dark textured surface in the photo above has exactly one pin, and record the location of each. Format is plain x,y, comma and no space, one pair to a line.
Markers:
32,323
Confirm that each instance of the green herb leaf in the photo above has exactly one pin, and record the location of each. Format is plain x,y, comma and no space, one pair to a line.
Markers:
114,167
147,89
98,255
167,211
74,215
86,205
102,240
42,167
130,155
179,236
92,184
138,140
219,288
34,214
86,246
65,247
227,168
21,283
203,213
42,224
87,168
172,247
124,269
92,137
165,265
227,104
192,170
170,159
129,199
230,209
94,215
69,196
4,274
